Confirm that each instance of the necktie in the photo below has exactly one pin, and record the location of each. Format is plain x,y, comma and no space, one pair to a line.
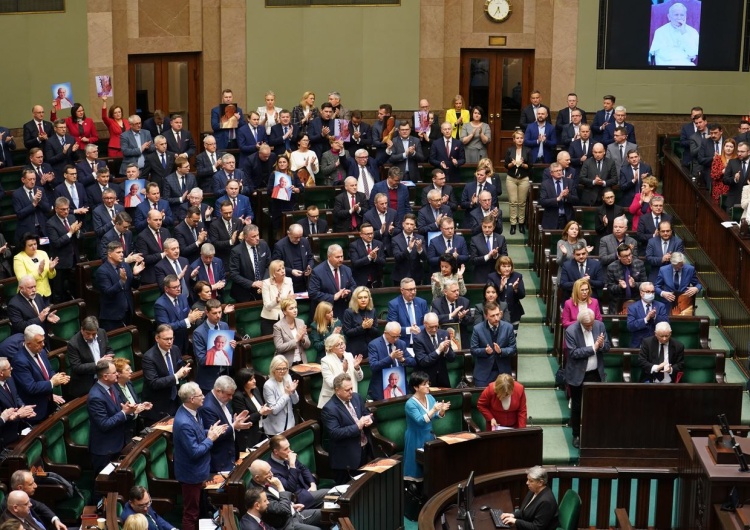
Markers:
353,413
336,279
112,395
31,195
212,157
158,129
598,167
210,271
7,389
494,334
179,140
65,223
176,266
153,206
33,304
607,115
626,275
354,216
648,308
39,124
74,195
112,213
479,189
176,304
257,264
163,161
412,316
583,270
560,206
450,244
170,367
716,147
255,133
661,353
365,184
408,240
676,281
234,202
62,141
664,245
286,140
368,248
230,176
584,147
158,240
489,243
313,228
182,184
45,373
744,169
195,234
448,147
435,341
93,167
622,152
453,308
658,219
122,242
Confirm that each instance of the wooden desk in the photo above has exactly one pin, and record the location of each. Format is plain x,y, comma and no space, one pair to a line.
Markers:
482,520
490,452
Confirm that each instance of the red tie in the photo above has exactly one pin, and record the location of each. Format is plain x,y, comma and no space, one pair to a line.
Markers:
354,216
41,129
112,395
448,147
211,279
158,240
67,226
45,374
336,279
122,241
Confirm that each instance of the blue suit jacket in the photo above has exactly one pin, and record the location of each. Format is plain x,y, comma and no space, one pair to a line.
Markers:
322,287
609,132
110,236
576,152
373,217
484,363
192,448
627,188
244,209
296,480
438,155
223,453
372,169
665,279
362,266
530,141
248,143
220,179
119,297
218,269
141,214
276,139
471,189
638,327
107,422
397,313
205,376
402,195
62,190
222,135
570,273
409,263
6,156
102,220
155,521
686,132
131,150
33,388
654,254
377,353
10,430
27,214
428,359
437,249
166,313
343,446
426,218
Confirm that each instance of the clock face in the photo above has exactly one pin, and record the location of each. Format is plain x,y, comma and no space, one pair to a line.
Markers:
498,10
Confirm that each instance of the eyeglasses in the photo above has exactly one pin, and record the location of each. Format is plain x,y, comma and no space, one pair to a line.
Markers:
281,370
144,504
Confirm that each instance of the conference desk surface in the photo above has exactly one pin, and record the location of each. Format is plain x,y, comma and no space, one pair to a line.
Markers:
482,520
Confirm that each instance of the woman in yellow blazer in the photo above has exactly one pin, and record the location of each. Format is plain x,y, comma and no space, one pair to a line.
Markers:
458,115
34,262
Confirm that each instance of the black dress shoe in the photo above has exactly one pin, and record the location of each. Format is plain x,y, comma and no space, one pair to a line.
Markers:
512,229
522,228
577,442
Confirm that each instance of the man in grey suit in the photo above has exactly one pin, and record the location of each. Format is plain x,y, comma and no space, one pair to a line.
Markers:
135,144
587,342
609,243
619,149
406,153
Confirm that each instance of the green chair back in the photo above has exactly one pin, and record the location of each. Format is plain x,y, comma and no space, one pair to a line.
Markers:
70,321
261,354
78,426
158,461
699,369
147,298
304,445
139,471
323,197
390,419
247,320
364,385
454,419
475,414
613,367
687,332
54,439
122,345
5,329
456,370
569,508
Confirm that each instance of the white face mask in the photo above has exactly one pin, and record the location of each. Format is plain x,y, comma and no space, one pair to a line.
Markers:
648,297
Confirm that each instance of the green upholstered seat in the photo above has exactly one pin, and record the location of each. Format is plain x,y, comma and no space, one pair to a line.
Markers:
70,322
453,420
261,354
322,196
320,244
247,319
456,370
390,422
569,509
475,414
122,345
5,329
78,427
613,368
699,369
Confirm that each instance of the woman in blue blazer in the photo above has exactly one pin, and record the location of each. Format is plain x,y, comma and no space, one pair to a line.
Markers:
510,288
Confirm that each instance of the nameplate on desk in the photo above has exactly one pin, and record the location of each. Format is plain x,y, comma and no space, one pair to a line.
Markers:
458,437
108,469
306,368
165,425
379,466
301,296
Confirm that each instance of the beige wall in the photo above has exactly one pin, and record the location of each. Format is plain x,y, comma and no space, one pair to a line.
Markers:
42,50
653,91
368,54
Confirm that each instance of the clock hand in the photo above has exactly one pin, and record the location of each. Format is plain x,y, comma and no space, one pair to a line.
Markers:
497,10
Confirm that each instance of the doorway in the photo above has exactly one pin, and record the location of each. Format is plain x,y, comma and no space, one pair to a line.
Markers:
168,82
499,81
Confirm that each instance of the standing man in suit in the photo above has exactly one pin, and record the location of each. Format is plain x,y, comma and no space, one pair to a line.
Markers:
116,282
74,192
379,140
431,213
597,173
451,308
259,169
347,421
531,111
406,153
94,191
486,247
368,257
648,224
603,117
216,410
321,129
242,211
293,474
205,375
710,148
86,348
349,207
153,202
631,176
228,172
60,150
408,310
7,146
192,451
619,149
587,342
108,417
645,315
297,255
448,153
135,144
332,282
178,185
677,284
473,189
609,244
446,190
30,206
620,114
163,368
248,265
13,412
365,170
409,253
179,141
88,167
157,124
173,308
250,137
384,221
207,163
736,175
191,234
34,376
225,138
449,242
27,307
581,266
662,359
567,115
477,216
361,134
624,278
45,176
313,224
224,231
210,269
540,138
64,233
396,193
433,351
36,131
659,249
492,343
580,149
158,163
557,196
688,130
172,263
150,245
105,213
283,136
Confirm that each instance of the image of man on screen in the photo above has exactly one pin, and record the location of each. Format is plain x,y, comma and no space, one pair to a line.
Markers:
675,43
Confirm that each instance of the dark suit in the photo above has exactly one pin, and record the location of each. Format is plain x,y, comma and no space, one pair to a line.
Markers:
372,216
243,209
571,272
531,140
155,170
665,280
172,191
150,126
159,386
408,263
615,273
221,177
734,194
372,167
650,355
344,445
342,219
397,312
437,248
30,218
471,189
446,190
378,353
321,226
190,248
119,295
57,157
86,174
165,312
638,327
440,306
592,194
299,257
31,133
33,387
140,220
319,141
147,246
21,314
608,135
259,172
407,165
364,270
528,116
298,480
426,218
322,287
576,152
277,142
280,512
646,229
488,366
439,154
655,253
103,222
611,213
222,135
475,218
94,193
241,401
686,132
220,237
186,145
402,205
600,118
479,249
107,425
242,272
364,141
542,513
6,148
223,452
182,213
430,361
112,235
205,169
82,363
206,376
248,142
217,269
10,431
64,247
628,188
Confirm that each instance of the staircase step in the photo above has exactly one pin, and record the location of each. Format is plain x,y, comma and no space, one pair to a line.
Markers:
534,338
557,447
537,371
547,406
535,310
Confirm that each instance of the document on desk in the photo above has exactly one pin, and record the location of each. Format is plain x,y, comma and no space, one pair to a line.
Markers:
457,437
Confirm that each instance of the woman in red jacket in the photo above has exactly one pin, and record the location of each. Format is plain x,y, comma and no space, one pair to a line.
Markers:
503,404
80,127
117,124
